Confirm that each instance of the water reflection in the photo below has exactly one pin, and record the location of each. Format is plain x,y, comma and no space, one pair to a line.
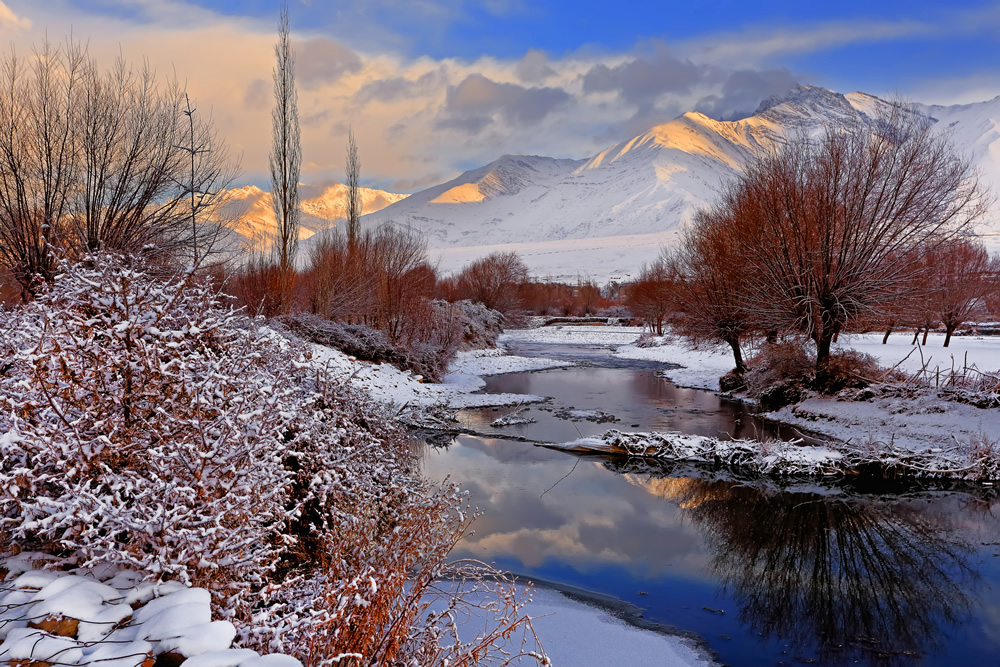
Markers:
852,575
837,574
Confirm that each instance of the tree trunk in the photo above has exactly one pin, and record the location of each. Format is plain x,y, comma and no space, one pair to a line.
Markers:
947,334
823,349
916,335
925,336
885,338
772,336
737,355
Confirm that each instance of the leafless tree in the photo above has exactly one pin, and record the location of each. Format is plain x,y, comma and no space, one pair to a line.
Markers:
286,158
353,182
820,220
494,280
710,283
961,275
37,158
93,160
651,295
209,173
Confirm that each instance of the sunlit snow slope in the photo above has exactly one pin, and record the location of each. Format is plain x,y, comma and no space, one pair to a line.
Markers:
603,217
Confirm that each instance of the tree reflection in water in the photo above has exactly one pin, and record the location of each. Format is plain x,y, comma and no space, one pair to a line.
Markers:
853,576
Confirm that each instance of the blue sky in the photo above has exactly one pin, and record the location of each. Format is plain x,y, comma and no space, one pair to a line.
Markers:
433,86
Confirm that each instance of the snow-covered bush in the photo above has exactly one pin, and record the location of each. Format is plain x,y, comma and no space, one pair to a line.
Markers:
143,424
479,326
779,374
428,358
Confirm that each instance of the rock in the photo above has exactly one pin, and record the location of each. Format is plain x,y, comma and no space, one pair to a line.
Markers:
57,625
169,659
731,381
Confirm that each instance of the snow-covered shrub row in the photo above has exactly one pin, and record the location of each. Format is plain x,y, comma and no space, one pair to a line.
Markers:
448,327
981,463
367,344
144,425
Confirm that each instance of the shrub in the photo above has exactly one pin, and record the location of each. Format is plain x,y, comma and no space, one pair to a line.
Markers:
422,357
495,281
848,369
145,425
779,374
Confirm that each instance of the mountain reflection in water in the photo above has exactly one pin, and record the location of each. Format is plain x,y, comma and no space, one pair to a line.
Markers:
819,573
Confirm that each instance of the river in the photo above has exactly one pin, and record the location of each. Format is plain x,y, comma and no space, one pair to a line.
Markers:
764,572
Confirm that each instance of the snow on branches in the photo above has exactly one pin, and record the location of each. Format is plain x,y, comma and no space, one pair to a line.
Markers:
141,423
145,425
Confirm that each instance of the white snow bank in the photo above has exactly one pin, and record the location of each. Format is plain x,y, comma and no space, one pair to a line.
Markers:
777,457
86,618
387,384
574,335
496,362
699,369
577,634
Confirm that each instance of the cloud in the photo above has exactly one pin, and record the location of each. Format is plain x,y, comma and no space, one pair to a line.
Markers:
419,183
534,67
8,19
759,45
396,88
474,101
743,91
258,94
643,79
321,61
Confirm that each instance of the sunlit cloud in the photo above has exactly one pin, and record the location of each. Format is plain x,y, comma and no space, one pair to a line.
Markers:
419,118
9,20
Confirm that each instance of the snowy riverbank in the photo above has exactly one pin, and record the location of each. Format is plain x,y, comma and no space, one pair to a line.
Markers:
917,420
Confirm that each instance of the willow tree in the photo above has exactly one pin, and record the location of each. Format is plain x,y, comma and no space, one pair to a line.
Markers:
830,226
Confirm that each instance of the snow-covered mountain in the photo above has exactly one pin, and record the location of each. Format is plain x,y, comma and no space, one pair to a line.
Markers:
322,208
605,216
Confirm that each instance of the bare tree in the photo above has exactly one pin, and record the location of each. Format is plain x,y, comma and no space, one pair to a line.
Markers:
651,295
710,284
37,158
494,281
352,180
961,277
209,175
286,159
93,160
821,220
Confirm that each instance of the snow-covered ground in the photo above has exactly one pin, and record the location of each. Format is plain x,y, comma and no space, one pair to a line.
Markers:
111,618
574,633
914,423
388,384
919,422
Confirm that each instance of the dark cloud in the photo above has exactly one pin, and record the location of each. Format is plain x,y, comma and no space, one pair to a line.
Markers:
743,92
321,60
469,124
257,95
645,78
396,88
534,67
472,104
